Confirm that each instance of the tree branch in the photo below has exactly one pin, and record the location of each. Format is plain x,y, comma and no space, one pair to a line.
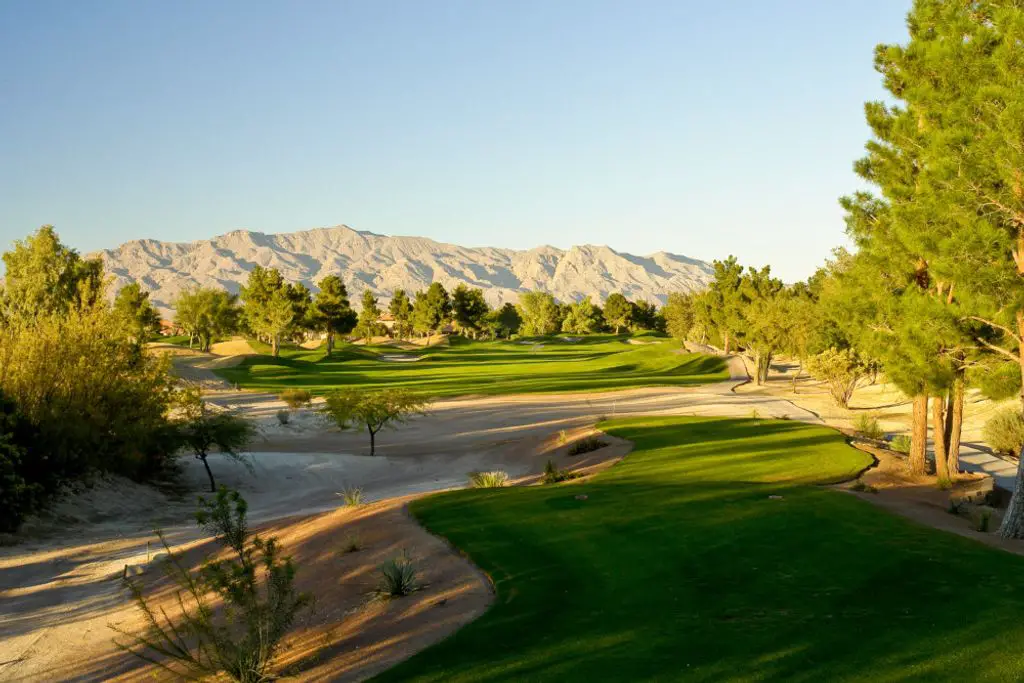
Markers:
998,349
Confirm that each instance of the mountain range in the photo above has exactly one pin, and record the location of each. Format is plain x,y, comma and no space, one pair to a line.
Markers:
365,260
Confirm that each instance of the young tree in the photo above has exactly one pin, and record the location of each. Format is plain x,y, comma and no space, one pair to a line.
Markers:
205,314
841,370
539,313
332,310
582,318
202,430
135,314
240,636
432,309
469,308
644,316
374,410
505,321
270,306
617,312
369,317
679,315
401,310
723,301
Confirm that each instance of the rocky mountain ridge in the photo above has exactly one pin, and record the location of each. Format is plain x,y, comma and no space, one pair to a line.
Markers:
366,260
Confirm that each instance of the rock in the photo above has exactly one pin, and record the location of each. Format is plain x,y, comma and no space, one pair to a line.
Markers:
581,496
774,497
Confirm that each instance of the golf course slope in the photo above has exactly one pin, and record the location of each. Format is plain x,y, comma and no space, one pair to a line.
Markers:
712,554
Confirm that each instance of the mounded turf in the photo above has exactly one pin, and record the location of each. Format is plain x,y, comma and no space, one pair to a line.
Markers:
679,566
595,363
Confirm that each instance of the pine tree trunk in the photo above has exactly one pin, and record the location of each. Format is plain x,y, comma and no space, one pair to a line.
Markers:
727,343
939,439
275,345
799,369
955,422
330,342
919,435
1013,520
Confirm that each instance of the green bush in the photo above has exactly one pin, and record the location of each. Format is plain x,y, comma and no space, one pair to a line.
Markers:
352,543
256,586
398,577
296,398
586,445
867,426
284,416
554,475
1004,431
488,480
352,496
984,519
901,444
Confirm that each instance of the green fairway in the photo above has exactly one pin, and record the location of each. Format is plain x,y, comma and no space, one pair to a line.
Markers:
596,363
680,566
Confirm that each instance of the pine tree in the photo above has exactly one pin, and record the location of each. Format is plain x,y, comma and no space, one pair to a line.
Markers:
332,311
401,310
369,317
617,311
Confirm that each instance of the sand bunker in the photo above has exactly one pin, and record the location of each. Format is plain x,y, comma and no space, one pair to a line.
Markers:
641,342
399,358
233,347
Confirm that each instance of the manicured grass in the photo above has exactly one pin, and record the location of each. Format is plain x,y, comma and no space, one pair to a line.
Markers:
679,566
596,363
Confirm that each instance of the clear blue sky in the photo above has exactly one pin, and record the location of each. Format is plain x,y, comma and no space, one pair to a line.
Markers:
700,128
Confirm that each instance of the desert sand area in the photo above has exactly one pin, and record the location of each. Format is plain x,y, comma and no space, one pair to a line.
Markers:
61,586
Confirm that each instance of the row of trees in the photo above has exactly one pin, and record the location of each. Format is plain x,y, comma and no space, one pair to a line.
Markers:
274,310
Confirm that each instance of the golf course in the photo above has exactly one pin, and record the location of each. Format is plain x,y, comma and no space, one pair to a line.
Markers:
545,364
716,552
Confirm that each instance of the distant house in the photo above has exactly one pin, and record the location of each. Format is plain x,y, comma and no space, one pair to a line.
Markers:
387,320
168,328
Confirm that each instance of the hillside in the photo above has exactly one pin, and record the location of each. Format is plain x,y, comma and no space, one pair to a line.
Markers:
383,264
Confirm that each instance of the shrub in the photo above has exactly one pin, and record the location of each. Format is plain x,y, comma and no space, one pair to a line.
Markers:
398,577
863,487
283,417
867,426
984,519
563,437
586,445
841,370
240,639
296,398
1004,431
352,543
488,480
900,444
554,475
352,496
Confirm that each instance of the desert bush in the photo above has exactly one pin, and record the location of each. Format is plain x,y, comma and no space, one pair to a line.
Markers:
554,475
399,576
488,480
841,370
352,543
586,445
900,444
284,417
1004,431
867,426
863,487
296,398
256,587
352,496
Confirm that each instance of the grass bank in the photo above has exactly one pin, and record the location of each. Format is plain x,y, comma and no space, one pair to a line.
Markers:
596,363
680,565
